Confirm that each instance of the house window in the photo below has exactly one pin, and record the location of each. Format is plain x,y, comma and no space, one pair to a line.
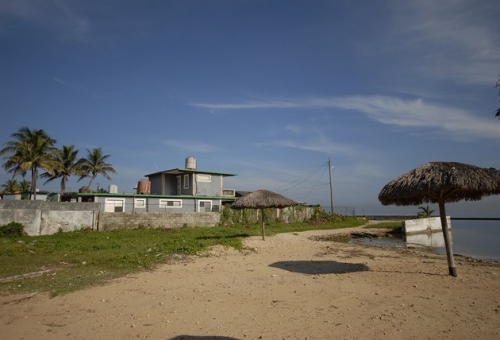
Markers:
186,181
205,206
114,205
170,203
203,178
140,203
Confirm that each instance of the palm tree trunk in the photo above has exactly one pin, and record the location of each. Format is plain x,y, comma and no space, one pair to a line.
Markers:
34,175
91,180
63,185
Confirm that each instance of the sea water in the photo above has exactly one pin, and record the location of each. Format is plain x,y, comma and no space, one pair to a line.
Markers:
477,239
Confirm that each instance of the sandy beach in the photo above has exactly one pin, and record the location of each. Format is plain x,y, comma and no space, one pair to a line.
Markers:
290,286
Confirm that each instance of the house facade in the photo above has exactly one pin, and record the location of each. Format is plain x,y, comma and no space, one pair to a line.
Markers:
176,190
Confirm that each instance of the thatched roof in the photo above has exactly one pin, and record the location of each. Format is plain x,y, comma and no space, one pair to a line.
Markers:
262,199
452,181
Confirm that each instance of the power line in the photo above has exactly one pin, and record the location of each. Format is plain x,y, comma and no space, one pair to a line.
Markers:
315,185
303,180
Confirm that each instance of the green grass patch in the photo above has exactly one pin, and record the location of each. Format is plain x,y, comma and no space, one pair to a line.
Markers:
80,259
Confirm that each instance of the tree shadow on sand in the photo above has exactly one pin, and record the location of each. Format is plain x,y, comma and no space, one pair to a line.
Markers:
320,267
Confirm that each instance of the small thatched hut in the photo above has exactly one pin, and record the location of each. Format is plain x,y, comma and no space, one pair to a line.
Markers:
442,182
262,199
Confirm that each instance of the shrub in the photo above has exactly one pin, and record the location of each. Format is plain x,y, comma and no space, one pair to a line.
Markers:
13,229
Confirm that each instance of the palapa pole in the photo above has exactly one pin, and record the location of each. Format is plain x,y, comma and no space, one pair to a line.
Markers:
447,239
331,188
263,225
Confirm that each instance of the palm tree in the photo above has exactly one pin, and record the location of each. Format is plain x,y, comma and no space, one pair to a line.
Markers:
10,187
65,165
30,150
24,185
425,212
94,164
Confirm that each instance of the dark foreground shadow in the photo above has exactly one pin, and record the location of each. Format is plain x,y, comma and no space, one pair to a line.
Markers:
320,267
202,337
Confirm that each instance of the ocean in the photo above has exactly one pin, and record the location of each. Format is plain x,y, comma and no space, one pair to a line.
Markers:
477,239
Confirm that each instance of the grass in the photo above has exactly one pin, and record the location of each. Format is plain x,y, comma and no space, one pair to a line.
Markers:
81,259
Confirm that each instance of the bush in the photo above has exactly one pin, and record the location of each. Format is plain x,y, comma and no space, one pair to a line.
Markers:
13,229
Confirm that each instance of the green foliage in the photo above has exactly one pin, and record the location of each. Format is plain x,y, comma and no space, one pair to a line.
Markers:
65,165
13,229
94,165
30,150
425,212
11,187
227,216
322,217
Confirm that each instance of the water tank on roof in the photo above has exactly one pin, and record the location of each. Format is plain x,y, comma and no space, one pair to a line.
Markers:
113,189
144,187
190,162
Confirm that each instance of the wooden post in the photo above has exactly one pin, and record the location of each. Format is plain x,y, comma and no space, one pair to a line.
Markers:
447,239
263,225
331,188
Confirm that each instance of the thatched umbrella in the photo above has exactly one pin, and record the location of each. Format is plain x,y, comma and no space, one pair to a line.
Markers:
262,199
442,182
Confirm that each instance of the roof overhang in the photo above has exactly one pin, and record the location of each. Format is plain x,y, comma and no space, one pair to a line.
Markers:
180,171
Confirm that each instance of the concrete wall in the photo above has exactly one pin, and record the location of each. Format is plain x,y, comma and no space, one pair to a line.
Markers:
45,218
113,221
424,225
433,240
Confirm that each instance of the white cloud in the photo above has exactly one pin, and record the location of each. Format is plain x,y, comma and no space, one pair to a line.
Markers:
416,113
456,122
266,104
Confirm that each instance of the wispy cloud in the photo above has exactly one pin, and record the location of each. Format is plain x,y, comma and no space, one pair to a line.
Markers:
458,123
461,34
325,146
312,140
56,15
266,104
65,83
190,146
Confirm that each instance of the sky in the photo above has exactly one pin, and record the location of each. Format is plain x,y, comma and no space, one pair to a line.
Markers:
269,90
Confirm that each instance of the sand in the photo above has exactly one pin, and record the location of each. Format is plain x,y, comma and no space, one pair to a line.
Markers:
288,287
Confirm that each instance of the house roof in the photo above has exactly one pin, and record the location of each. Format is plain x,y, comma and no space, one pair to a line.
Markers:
179,171
105,194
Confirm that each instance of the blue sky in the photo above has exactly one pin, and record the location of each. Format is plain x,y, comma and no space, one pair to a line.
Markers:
265,89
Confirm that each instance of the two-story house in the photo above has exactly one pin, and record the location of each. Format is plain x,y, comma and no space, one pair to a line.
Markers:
184,189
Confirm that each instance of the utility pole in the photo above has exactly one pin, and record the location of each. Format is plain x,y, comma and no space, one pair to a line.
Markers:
331,188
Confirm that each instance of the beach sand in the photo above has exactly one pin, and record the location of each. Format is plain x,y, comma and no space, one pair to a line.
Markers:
287,287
